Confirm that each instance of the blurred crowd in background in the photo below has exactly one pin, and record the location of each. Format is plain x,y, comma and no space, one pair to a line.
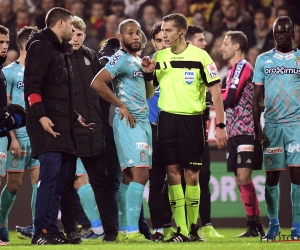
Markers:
102,17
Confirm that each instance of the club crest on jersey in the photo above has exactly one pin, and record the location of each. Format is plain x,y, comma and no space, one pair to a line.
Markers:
137,73
189,76
3,156
87,61
297,61
14,162
20,84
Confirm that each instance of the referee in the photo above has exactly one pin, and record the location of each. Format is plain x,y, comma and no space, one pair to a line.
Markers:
183,71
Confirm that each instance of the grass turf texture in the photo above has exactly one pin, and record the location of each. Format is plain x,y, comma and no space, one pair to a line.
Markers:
227,243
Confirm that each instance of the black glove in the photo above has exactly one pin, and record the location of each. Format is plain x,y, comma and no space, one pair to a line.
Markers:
15,117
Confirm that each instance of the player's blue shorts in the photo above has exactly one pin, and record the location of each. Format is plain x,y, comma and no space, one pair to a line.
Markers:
282,148
134,145
80,169
3,155
23,162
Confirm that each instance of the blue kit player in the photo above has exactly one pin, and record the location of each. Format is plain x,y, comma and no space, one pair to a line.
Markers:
277,75
133,137
19,157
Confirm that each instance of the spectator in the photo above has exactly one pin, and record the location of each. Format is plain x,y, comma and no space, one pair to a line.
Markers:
165,7
183,7
97,18
218,15
76,8
28,4
117,7
198,19
132,7
297,36
46,5
234,19
148,18
109,30
204,7
7,17
22,18
252,54
19,4
261,35
276,4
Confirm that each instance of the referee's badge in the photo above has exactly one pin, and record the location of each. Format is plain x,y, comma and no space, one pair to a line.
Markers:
87,62
189,76
297,61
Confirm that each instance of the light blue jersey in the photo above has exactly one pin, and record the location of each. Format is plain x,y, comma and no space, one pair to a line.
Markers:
14,74
128,83
134,145
280,75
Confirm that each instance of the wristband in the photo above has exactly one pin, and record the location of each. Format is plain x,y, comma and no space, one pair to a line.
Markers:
148,76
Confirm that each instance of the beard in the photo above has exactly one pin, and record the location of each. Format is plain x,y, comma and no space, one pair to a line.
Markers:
67,36
129,47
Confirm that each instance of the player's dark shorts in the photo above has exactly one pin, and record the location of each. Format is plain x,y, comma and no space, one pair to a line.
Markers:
181,140
242,152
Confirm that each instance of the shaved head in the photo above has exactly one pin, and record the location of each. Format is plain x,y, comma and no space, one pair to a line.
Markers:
126,22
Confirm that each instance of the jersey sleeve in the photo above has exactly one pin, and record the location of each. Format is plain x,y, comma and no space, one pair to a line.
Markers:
209,71
9,80
259,74
117,64
239,78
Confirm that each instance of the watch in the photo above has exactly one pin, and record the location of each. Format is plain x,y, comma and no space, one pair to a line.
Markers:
221,125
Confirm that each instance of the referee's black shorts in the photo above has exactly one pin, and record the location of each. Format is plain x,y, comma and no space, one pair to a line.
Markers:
181,139
242,152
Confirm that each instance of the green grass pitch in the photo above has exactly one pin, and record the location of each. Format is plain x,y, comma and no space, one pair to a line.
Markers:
227,243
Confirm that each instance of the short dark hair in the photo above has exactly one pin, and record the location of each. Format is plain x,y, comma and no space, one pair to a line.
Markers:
123,23
192,30
55,14
23,34
240,38
285,18
263,11
179,20
155,30
4,30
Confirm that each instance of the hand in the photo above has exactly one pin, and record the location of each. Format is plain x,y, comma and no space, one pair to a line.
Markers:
260,137
47,125
15,148
221,137
148,64
82,123
129,117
